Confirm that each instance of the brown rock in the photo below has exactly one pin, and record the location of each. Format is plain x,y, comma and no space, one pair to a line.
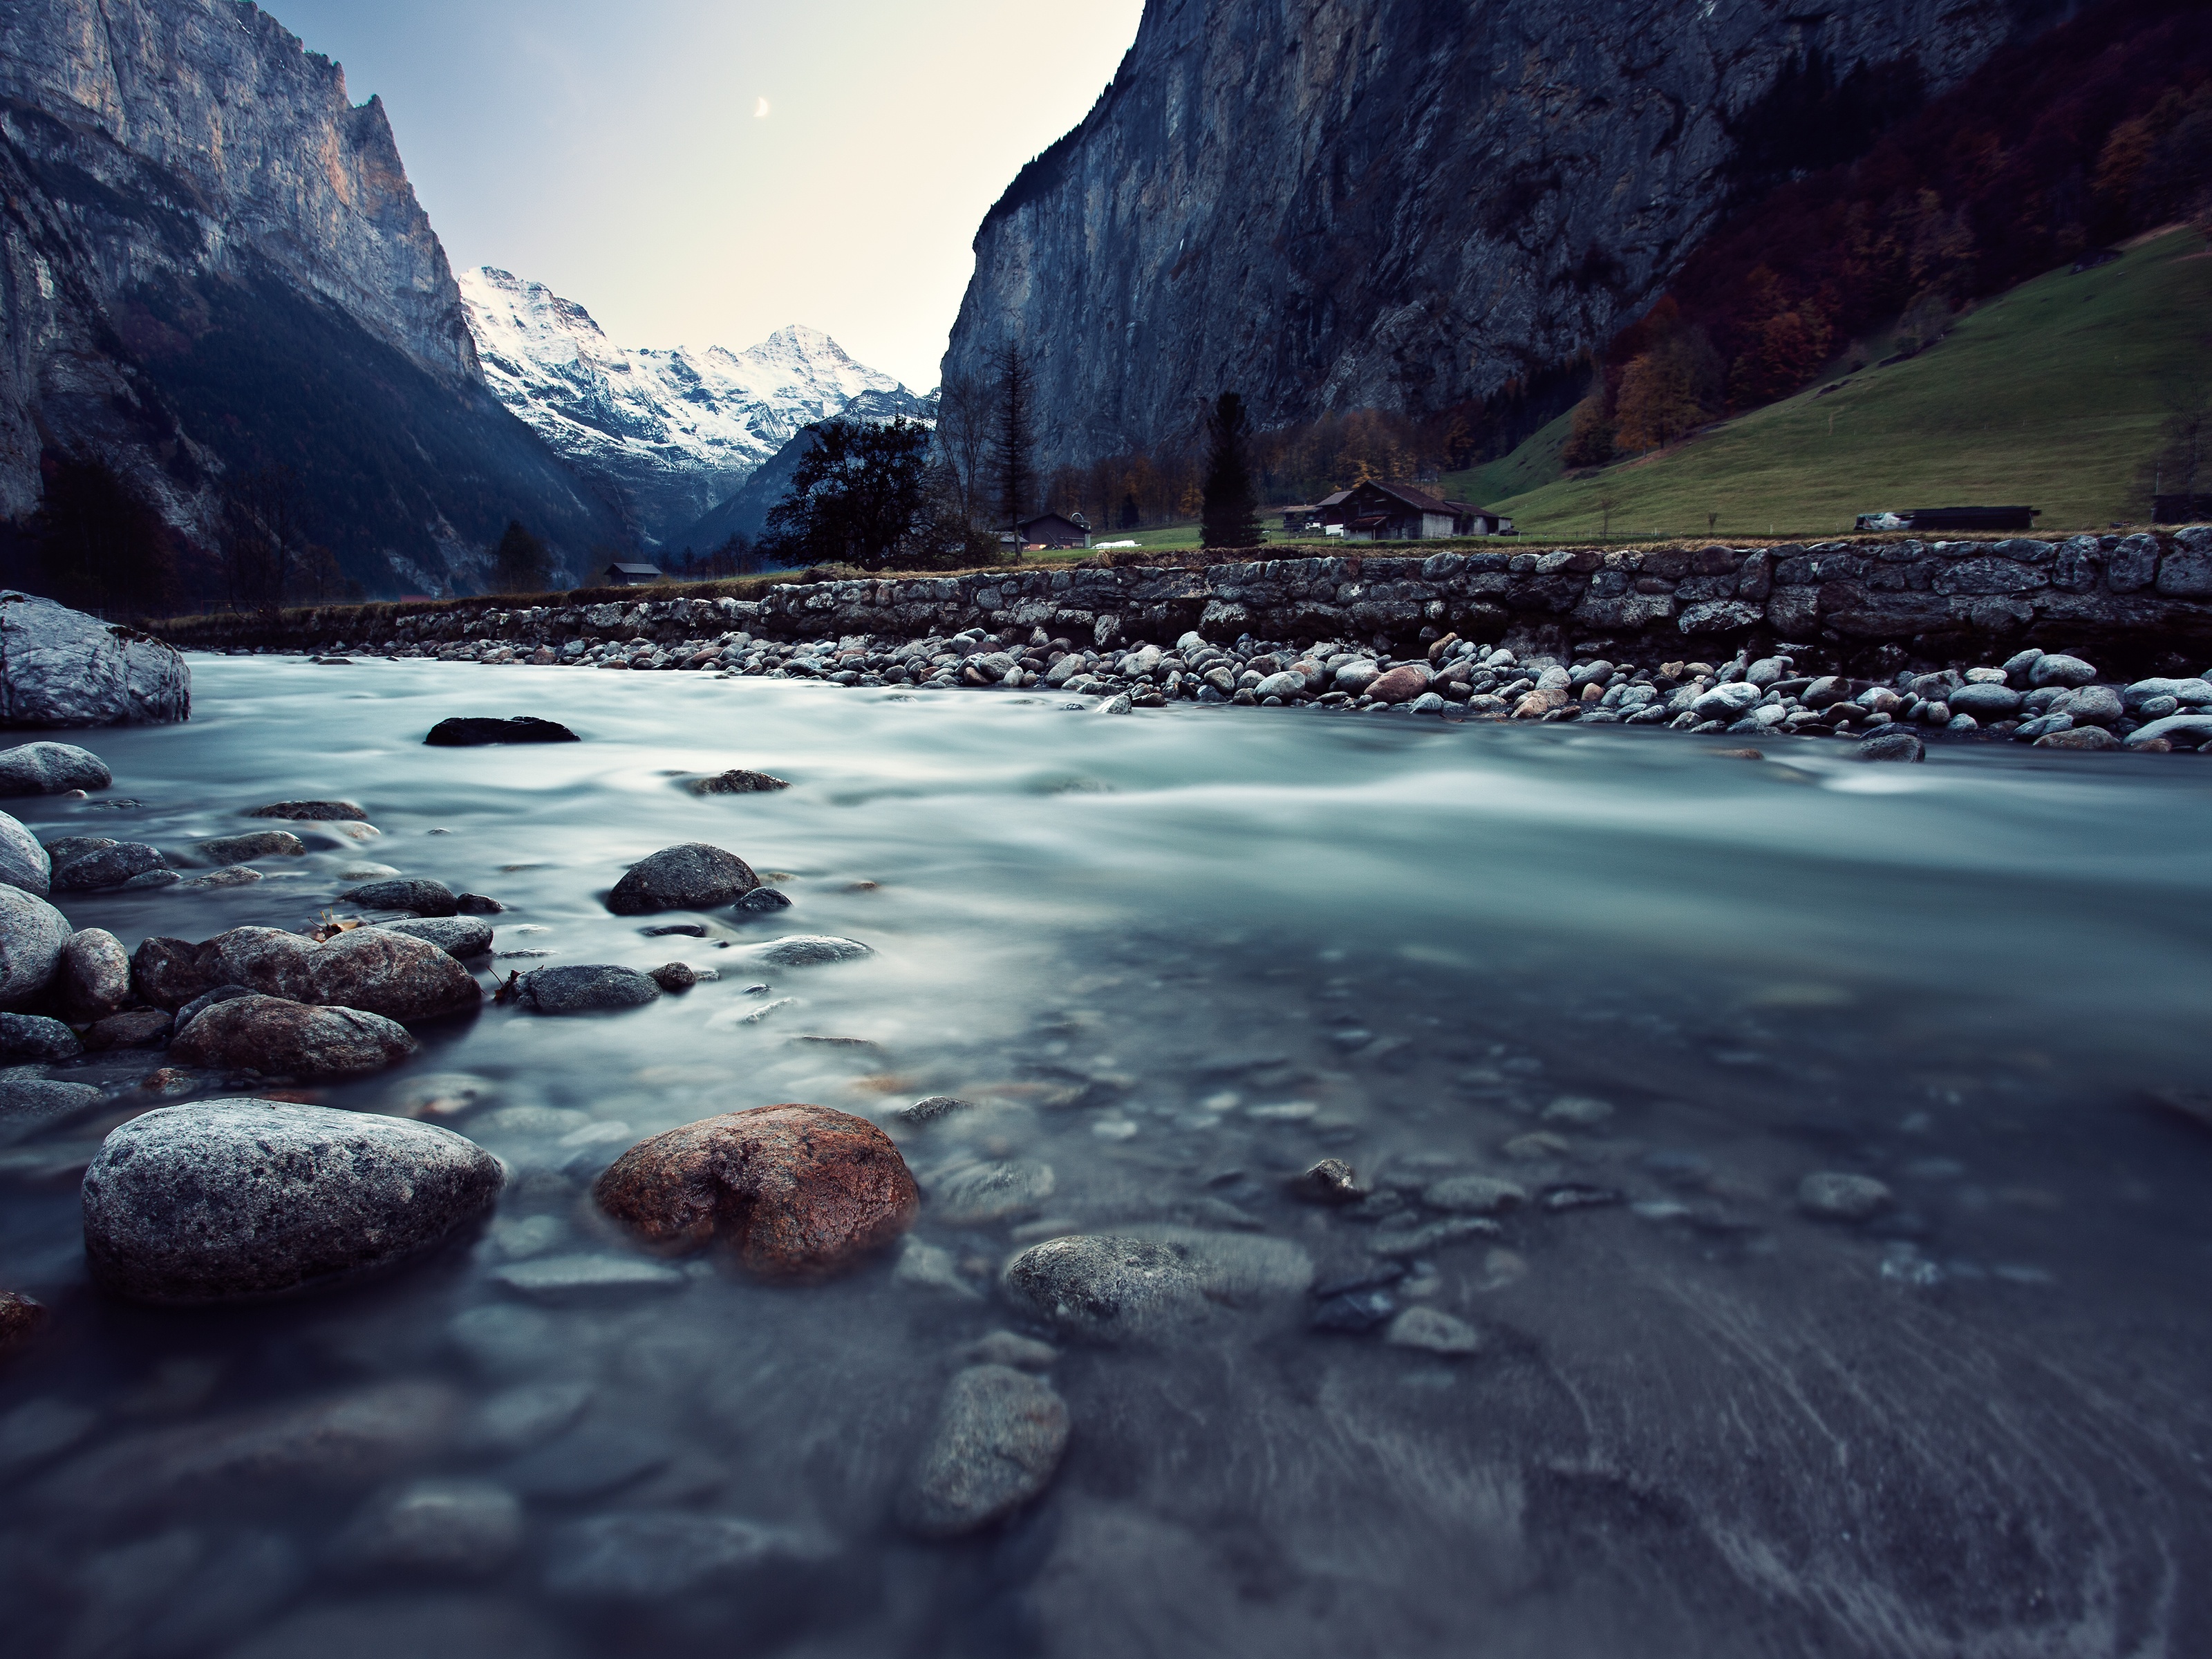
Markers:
674,976
291,1039
94,979
141,1028
1402,685
1332,1181
21,1319
168,973
801,1192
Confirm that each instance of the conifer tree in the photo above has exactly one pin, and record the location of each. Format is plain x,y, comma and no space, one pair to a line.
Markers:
1229,509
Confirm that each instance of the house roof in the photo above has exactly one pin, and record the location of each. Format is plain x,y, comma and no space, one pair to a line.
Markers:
1419,500
636,569
1337,500
1050,518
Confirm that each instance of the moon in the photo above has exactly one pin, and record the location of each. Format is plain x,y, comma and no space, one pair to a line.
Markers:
761,113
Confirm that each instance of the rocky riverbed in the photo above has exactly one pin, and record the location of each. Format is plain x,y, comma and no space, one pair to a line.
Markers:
845,1172
2054,699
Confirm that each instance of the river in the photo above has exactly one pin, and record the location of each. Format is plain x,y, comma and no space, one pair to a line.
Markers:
1176,958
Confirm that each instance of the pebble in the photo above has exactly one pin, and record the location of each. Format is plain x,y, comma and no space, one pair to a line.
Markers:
1583,1111
312,812
998,1441
674,976
227,1199
930,1109
138,1029
1006,1348
1579,1195
1893,746
278,1037
931,1267
1351,1313
691,876
515,1419
583,988
443,1528
1473,1194
655,1557
1432,1331
798,1191
1332,1181
736,781
255,844
970,1194
558,1276
1833,1196
765,901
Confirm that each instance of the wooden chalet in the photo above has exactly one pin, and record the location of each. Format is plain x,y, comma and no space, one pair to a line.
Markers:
630,575
1399,513
1052,531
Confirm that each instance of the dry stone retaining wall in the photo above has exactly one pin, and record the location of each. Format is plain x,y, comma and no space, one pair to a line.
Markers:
2131,600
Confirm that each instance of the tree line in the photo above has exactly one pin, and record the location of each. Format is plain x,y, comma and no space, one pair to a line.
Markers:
2054,148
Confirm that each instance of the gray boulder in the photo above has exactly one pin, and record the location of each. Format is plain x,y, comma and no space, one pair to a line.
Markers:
584,988
95,974
98,867
1728,701
34,1038
419,895
2061,670
456,936
61,667
229,1199
1107,1288
691,877
378,971
32,934
1892,743
2196,728
998,1440
50,769
23,862
290,1039
2093,705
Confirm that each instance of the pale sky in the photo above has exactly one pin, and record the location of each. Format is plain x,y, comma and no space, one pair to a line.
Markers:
618,153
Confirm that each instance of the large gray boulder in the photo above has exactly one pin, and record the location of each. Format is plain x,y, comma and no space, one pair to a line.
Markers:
61,667
224,1199
95,974
32,934
692,876
23,862
376,970
583,988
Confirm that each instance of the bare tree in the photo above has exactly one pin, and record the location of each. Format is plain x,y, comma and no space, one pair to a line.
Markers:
964,439
1605,506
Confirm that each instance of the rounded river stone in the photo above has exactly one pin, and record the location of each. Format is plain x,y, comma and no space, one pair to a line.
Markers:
32,934
798,1191
223,1199
290,1039
999,1438
689,877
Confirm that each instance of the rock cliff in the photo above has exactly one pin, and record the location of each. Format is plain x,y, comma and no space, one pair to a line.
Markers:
210,259
1399,203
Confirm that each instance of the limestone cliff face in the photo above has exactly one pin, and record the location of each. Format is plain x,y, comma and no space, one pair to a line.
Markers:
1338,204
210,258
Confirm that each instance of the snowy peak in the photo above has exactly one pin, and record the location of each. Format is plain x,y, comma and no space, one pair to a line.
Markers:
671,431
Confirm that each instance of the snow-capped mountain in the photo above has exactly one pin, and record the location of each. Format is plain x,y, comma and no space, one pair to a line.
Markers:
670,433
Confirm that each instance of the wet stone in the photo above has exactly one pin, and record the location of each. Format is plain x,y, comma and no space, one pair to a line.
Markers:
569,1276
765,901
797,1191
692,876
1833,1196
281,1038
471,732
22,1318
930,1109
1473,1194
110,866
415,894
140,1028
736,781
255,844
810,949
583,988
1432,1331
676,930
32,935
443,1528
312,812
1105,1288
515,1419
999,1438
1352,1312
674,976
34,1038
30,1105
1892,745
23,862
456,936
591,1460
1579,1195
654,1556
1332,1181
50,769
1006,1348
969,1194
229,1199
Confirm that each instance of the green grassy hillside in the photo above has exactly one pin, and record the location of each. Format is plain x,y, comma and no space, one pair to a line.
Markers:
2053,395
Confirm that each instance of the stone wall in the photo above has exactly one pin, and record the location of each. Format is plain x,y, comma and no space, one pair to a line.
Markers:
2137,602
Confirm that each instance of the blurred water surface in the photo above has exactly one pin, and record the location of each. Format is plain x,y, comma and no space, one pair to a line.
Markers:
1176,958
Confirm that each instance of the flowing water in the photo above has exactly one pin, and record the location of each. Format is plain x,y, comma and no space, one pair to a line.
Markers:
1177,958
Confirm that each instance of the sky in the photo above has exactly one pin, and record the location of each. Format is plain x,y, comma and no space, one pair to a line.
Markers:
694,174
